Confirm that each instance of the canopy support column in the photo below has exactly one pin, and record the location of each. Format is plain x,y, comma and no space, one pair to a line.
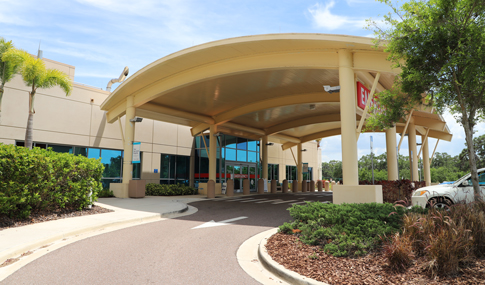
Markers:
391,154
300,163
212,153
426,168
350,168
122,191
413,154
264,148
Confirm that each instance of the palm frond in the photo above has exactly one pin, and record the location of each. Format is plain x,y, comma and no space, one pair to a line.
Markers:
54,77
11,60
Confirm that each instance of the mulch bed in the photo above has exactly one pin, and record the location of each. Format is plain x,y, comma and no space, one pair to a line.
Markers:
288,251
44,216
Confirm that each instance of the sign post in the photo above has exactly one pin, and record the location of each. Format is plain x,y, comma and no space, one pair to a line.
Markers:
372,157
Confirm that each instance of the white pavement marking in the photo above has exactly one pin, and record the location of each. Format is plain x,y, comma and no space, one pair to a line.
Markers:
237,200
254,200
287,201
216,224
304,202
276,200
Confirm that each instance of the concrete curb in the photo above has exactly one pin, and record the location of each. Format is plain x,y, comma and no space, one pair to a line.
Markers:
278,269
147,218
17,251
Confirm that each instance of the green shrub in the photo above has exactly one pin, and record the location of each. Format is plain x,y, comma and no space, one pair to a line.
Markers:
347,229
153,189
41,179
105,193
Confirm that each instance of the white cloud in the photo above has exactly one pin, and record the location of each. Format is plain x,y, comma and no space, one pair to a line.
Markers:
323,18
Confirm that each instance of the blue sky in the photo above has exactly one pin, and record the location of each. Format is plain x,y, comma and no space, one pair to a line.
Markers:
101,37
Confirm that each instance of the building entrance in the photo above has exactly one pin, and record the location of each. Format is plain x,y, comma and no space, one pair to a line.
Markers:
240,172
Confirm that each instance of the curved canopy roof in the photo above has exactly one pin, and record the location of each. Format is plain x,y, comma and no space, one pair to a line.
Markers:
259,85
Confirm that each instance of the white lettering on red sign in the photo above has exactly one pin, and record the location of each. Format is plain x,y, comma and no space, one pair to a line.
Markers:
363,95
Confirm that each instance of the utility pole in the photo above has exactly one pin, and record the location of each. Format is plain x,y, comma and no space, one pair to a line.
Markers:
372,157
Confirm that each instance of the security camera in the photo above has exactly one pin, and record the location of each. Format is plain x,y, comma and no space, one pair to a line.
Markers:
331,89
136,120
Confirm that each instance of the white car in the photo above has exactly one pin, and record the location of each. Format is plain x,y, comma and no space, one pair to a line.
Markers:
444,195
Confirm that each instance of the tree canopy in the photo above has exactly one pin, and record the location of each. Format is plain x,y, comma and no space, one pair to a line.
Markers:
439,46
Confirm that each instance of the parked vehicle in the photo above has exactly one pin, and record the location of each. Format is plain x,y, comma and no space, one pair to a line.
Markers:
444,195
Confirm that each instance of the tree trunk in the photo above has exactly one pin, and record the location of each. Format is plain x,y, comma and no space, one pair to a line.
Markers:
471,155
30,123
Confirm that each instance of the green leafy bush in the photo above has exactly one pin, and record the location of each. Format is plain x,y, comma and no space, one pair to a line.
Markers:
40,179
153,189
347,229
105,193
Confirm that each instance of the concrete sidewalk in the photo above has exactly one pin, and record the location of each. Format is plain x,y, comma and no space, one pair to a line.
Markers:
127,212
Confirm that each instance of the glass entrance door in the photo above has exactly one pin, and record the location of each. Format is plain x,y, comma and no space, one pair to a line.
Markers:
240,172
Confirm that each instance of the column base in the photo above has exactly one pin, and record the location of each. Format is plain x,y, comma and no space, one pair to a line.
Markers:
120,190
357,194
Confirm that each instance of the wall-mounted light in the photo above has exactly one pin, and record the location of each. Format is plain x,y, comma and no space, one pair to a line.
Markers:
136,120
270,144
303,149
312,106
217,134
331,89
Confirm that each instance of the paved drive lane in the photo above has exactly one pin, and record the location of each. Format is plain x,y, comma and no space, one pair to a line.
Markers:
169,251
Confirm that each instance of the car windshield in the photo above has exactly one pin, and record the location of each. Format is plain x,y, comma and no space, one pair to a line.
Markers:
461,179
481,178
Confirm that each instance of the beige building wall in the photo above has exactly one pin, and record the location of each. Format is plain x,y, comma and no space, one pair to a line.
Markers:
312,156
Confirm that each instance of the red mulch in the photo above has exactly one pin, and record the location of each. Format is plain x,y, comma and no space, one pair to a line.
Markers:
44,216
370,269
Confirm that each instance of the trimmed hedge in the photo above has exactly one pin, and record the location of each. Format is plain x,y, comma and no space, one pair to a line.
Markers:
40,179
154,189
346,229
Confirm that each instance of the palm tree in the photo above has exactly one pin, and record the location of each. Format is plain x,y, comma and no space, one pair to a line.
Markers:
7,68
35,75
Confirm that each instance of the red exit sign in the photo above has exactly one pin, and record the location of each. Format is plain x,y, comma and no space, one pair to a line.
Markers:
363,95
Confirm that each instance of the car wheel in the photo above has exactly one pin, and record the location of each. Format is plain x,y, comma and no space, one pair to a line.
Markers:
439,203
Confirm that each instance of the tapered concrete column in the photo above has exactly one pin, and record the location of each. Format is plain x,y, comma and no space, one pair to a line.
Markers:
212,153
320,185
230,187
391,154
246,189
299,167
284,187
426,170
261,186
128,147
350,169
413,154
264,148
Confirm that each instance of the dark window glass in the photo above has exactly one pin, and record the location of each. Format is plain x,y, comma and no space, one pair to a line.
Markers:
242,143
172,167
182,168
204,167
61,148
106,182
81,151
19,144
112,161
276,172
136,170
231,141
164,166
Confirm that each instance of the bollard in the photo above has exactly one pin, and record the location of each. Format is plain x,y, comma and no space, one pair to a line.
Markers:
261,186
294,185
273,186
311,186
284,188
304,186
230,188
327,186
246,187
333,185
320,185
211,189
